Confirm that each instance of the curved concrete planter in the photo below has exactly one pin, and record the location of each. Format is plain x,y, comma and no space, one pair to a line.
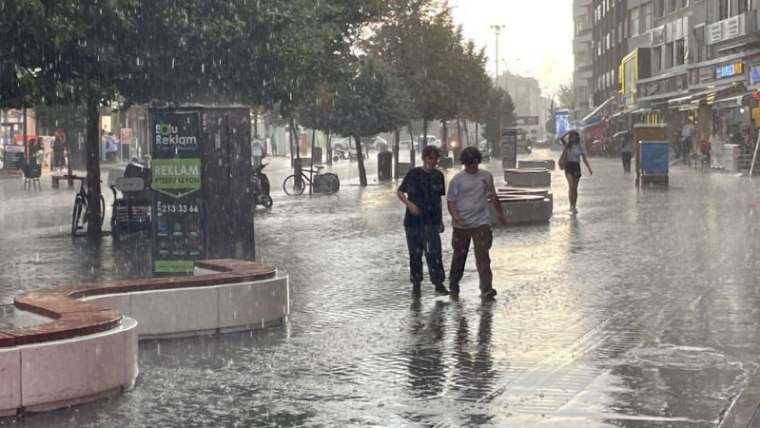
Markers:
77,344
536,164
528,177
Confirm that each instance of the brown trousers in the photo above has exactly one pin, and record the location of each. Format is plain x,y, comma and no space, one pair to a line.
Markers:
482,237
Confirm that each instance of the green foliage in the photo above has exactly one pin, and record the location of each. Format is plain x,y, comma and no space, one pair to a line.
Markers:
500,114
446,76
373,101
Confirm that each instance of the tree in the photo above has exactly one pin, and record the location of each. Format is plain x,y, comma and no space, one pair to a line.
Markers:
445,75
97,52
500,112
373,101
566,96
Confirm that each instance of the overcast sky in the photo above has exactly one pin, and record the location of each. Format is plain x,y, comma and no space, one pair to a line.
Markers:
537,40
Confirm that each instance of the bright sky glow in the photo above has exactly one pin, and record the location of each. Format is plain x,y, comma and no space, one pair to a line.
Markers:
537,40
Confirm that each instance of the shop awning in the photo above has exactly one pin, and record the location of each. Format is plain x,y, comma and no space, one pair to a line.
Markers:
597,110
732,102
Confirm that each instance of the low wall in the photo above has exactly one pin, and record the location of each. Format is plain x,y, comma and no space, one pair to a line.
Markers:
78,343
528,177
533,164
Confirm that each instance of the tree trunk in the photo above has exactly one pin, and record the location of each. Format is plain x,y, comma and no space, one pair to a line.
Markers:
26,137
424,133
256,124
360,156
477,134
396,142
329,149
412,153
291,137
92,149
311,162
445,142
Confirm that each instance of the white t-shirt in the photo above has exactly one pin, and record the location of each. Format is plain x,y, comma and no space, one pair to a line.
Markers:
575,151
470,193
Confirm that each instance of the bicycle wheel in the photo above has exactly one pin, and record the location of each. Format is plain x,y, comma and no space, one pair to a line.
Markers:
76,217
293,187
330,182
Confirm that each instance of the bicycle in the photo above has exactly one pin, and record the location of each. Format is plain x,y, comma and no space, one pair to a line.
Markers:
295,184
78,221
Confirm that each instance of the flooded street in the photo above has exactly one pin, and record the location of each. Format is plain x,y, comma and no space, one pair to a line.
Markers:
641,311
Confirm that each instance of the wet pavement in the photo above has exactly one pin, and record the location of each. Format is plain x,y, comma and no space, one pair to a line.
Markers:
642,311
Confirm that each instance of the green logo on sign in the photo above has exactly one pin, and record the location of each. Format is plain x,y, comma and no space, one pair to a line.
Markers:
176,177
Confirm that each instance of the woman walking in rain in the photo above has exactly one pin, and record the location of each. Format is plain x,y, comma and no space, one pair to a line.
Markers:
571,163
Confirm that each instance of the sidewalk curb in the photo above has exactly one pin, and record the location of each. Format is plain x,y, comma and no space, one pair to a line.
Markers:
743,411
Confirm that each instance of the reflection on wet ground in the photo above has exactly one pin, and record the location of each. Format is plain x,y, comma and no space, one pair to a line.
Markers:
639,312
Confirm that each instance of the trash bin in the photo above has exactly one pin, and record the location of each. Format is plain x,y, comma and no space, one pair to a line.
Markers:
655,157
384,166
316,154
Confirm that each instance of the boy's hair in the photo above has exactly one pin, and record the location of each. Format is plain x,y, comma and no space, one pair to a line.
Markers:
470,155
431,151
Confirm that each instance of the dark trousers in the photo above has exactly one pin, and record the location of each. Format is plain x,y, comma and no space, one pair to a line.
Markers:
627,161
427,240
482,237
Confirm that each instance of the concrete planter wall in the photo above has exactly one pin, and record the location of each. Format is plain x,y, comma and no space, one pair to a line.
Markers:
536,164
79,343
528,177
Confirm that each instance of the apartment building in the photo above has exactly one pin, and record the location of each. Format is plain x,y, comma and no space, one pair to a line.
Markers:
583,53
610,45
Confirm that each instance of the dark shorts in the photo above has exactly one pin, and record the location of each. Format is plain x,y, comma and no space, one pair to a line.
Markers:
573,169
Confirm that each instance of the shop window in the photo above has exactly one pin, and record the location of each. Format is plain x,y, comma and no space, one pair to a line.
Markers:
659,8
672,5
744,6
684,3
633,22
724,9
646,19
680,52
668,63
656,59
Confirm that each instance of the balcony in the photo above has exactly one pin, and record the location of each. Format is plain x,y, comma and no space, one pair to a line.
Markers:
731,28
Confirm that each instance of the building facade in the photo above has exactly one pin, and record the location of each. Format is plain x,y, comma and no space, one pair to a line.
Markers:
583,54
528,99
610,45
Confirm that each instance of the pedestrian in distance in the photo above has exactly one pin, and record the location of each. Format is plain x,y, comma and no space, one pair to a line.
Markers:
626,153
687,133
573,153
421,192
470,193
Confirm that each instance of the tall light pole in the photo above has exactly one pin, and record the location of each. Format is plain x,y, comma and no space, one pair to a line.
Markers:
497,32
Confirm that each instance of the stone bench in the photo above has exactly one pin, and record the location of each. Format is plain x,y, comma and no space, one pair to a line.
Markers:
536,164
521,209
535,177
77,343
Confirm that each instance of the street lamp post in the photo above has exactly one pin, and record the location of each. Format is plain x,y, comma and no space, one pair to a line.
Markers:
497,32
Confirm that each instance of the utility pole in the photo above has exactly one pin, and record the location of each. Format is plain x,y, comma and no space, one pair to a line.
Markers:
497,32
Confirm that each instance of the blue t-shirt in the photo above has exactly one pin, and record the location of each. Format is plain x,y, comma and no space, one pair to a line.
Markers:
424,189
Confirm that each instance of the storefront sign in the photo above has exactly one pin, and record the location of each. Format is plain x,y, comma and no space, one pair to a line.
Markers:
176,169
729,70
562,119
664,86
526,121
754,75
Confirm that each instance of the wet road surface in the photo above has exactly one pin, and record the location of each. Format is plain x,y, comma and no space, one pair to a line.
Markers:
639,312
